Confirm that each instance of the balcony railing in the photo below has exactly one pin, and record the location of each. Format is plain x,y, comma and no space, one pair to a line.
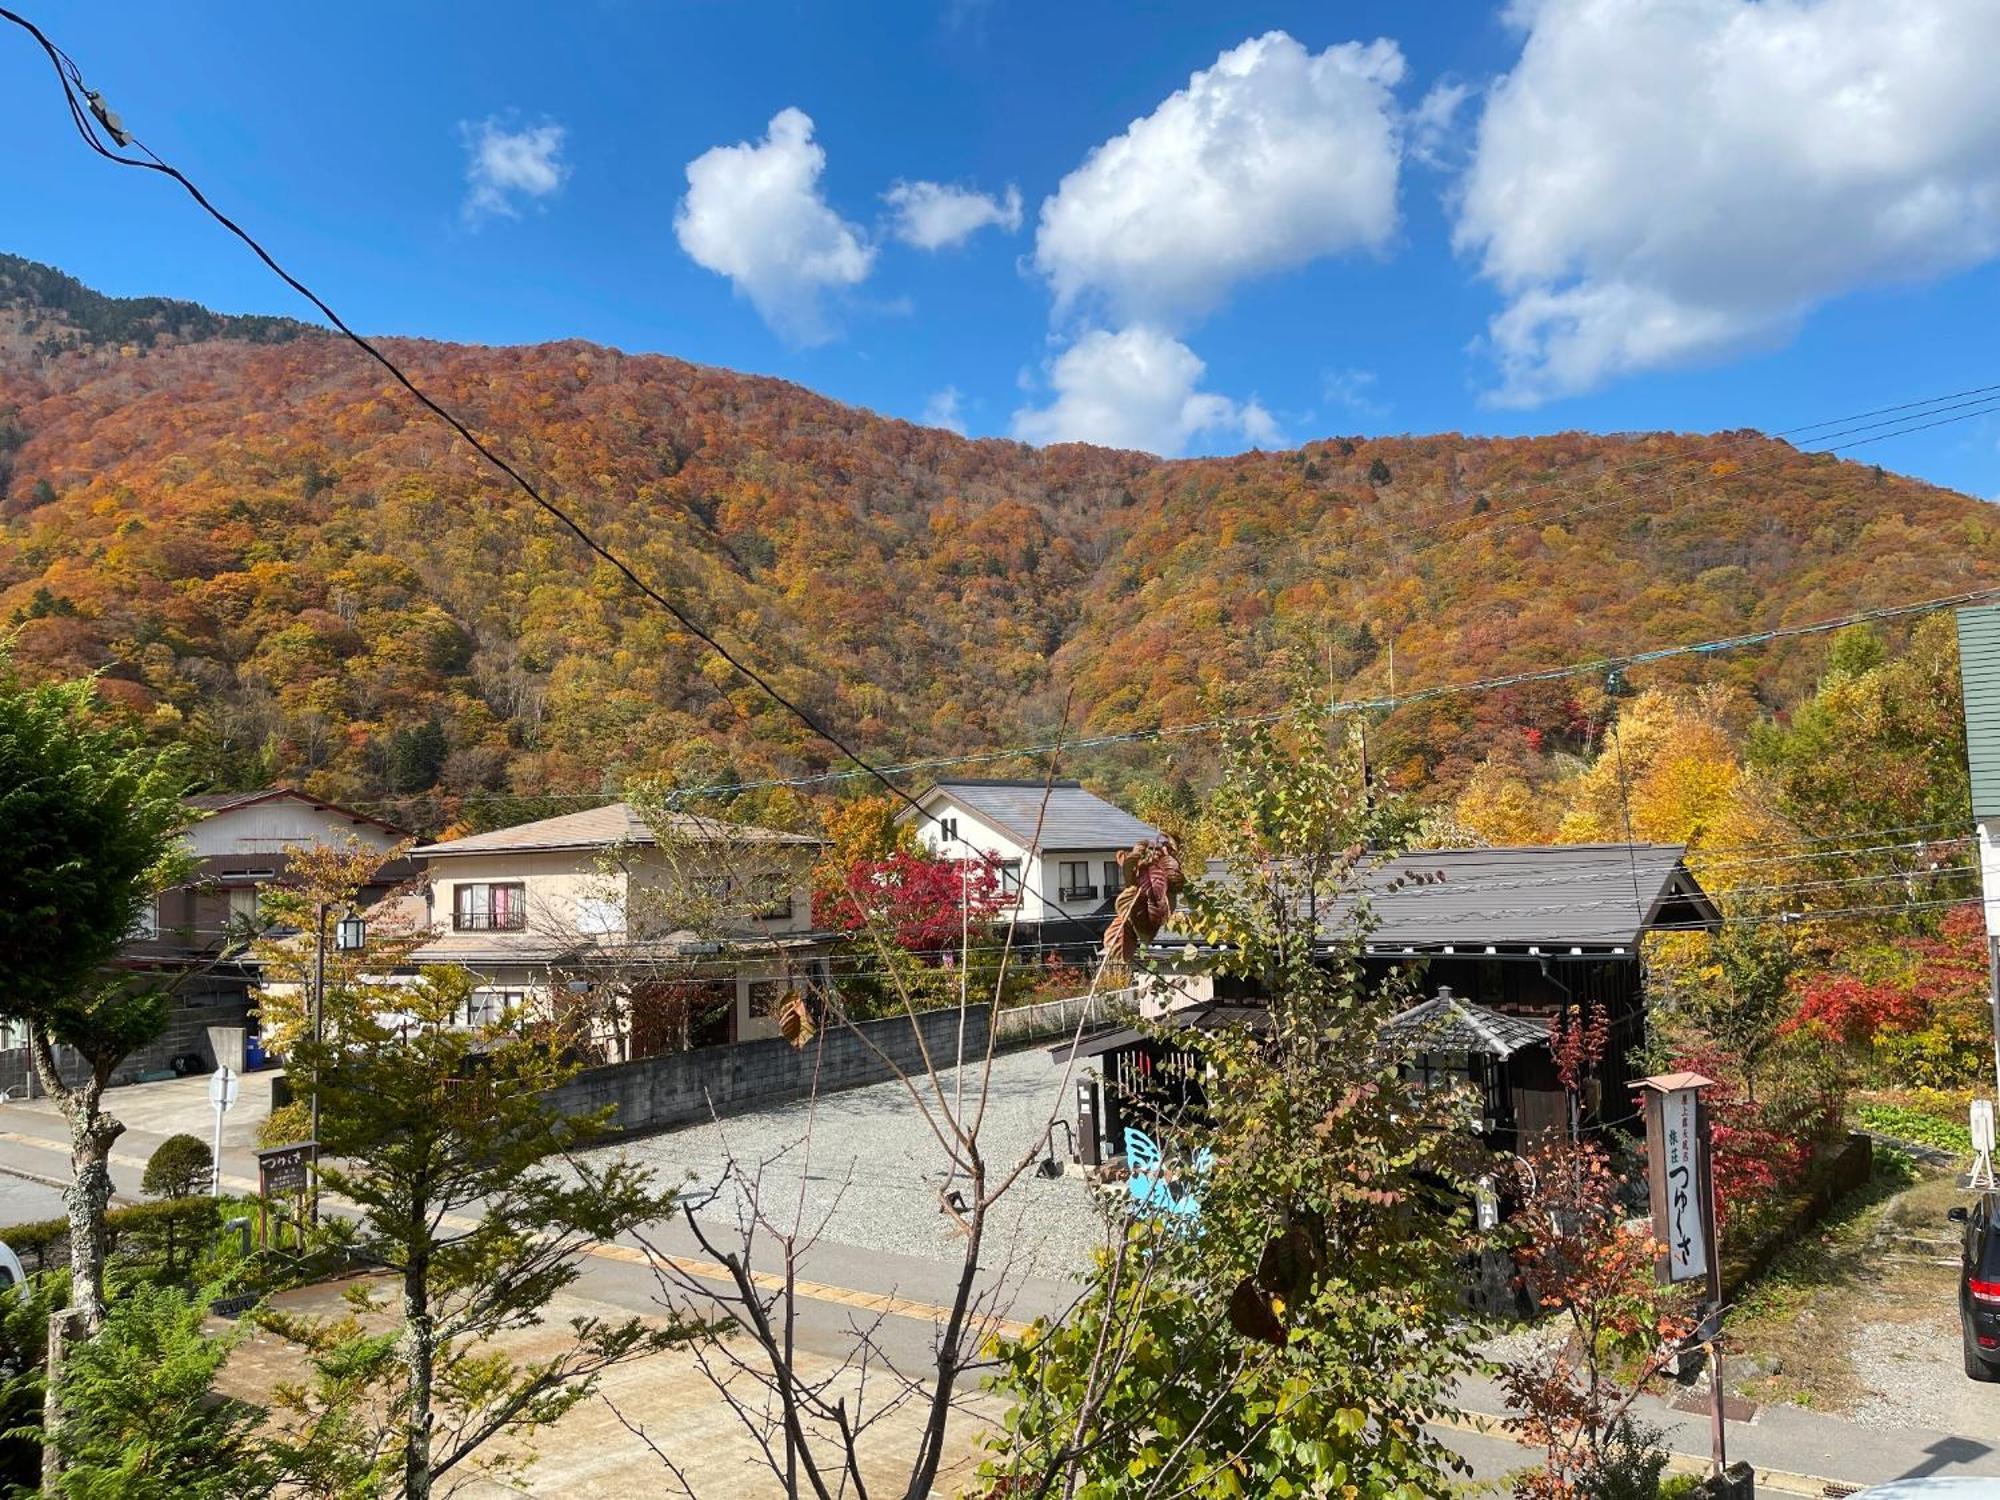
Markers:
1071,893
489,921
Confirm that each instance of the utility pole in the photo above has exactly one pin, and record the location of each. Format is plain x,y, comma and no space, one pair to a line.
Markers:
318,1035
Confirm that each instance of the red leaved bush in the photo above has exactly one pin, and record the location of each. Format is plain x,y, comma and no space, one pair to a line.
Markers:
916,902
1852,1010
1762,1147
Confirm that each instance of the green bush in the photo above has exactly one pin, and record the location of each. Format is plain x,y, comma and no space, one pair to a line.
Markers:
181,1168
146,1233
1916,1126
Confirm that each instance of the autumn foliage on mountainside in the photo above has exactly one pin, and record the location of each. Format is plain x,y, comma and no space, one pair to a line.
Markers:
276,558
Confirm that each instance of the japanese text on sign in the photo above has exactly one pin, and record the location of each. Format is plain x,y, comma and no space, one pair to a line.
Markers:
1687,1248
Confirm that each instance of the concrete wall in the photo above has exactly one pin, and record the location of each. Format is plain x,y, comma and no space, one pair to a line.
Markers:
681,1088
187,1031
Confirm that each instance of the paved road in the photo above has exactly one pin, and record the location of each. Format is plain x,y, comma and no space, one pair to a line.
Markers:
884,1257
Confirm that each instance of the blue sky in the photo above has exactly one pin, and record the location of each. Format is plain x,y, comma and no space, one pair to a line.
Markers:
1255,223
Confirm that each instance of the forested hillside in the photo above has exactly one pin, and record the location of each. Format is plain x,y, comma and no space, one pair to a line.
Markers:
275,556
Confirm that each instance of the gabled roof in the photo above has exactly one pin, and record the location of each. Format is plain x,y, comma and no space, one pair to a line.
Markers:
1548,897
211,803
1446,1023
1071,819
607,827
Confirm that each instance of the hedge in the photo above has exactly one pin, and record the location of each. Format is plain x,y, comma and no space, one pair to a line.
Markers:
140,1232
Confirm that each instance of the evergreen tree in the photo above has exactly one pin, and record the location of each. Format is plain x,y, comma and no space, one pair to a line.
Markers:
445,1148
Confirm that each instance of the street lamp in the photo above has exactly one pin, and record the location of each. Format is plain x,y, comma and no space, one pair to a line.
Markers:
350,934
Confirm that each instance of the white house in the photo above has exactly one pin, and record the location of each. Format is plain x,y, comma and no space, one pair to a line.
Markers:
714,919
1057,846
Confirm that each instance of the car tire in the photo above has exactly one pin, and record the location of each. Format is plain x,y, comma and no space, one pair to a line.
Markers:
1975,1367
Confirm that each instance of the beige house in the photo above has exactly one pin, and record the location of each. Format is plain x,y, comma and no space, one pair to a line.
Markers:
681,934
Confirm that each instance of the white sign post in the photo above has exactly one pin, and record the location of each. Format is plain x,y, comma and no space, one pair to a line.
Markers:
1687,1245
223,1087
1680,1174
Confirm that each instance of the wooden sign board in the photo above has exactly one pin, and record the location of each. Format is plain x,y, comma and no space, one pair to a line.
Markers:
285,1170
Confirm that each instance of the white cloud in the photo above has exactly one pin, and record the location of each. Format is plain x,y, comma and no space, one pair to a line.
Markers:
1430,125
1659,182
504,167
1137,388
1354,391
936,215
753,212
1271,158
944,410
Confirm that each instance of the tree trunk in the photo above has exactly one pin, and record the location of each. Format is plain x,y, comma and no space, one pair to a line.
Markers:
63,1327
88,1197
419,1354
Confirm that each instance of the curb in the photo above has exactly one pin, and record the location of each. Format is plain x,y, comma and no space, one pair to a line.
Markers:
1782,1480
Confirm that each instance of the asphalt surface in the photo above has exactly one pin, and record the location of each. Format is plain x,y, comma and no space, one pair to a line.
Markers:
883,1260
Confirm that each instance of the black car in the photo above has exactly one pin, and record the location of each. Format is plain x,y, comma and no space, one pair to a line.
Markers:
1979,1286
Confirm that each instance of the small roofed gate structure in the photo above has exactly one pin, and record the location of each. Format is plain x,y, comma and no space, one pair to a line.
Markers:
1446,1042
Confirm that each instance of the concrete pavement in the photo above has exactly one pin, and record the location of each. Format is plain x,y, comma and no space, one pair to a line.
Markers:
845,1287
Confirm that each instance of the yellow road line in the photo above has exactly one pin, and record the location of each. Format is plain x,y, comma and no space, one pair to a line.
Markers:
704,1270
818,1291
1487,1425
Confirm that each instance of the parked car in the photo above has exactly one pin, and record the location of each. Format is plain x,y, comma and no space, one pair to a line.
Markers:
1979,1286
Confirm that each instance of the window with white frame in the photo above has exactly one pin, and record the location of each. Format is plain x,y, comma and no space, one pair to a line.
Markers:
13,1035
146,923
489,1007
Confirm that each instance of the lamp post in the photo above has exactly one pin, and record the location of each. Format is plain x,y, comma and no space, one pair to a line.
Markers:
350,934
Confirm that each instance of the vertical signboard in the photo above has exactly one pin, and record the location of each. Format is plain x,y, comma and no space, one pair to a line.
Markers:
1681,1224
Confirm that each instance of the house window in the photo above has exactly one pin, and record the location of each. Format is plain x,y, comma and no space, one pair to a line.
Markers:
13,1035
1113,878
483,907
596,916
146,924
243,908
485,1008
774,897
1009,871
765,994
1076,884
947,830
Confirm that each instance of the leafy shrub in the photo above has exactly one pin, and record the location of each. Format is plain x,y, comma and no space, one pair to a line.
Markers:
286,1124
181,1168
1916,1126
145,1233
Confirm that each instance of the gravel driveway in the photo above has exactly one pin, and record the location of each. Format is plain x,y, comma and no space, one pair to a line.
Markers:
873,1168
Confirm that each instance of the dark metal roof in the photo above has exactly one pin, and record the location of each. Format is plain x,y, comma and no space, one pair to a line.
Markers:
1072,819
1210,1016
1446,1023
1561,895
1550,897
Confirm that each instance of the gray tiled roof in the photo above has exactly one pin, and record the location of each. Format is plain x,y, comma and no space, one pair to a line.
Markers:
1446,1023
604,827
1073,818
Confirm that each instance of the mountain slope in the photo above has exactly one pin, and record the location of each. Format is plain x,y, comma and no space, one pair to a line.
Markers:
274,555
